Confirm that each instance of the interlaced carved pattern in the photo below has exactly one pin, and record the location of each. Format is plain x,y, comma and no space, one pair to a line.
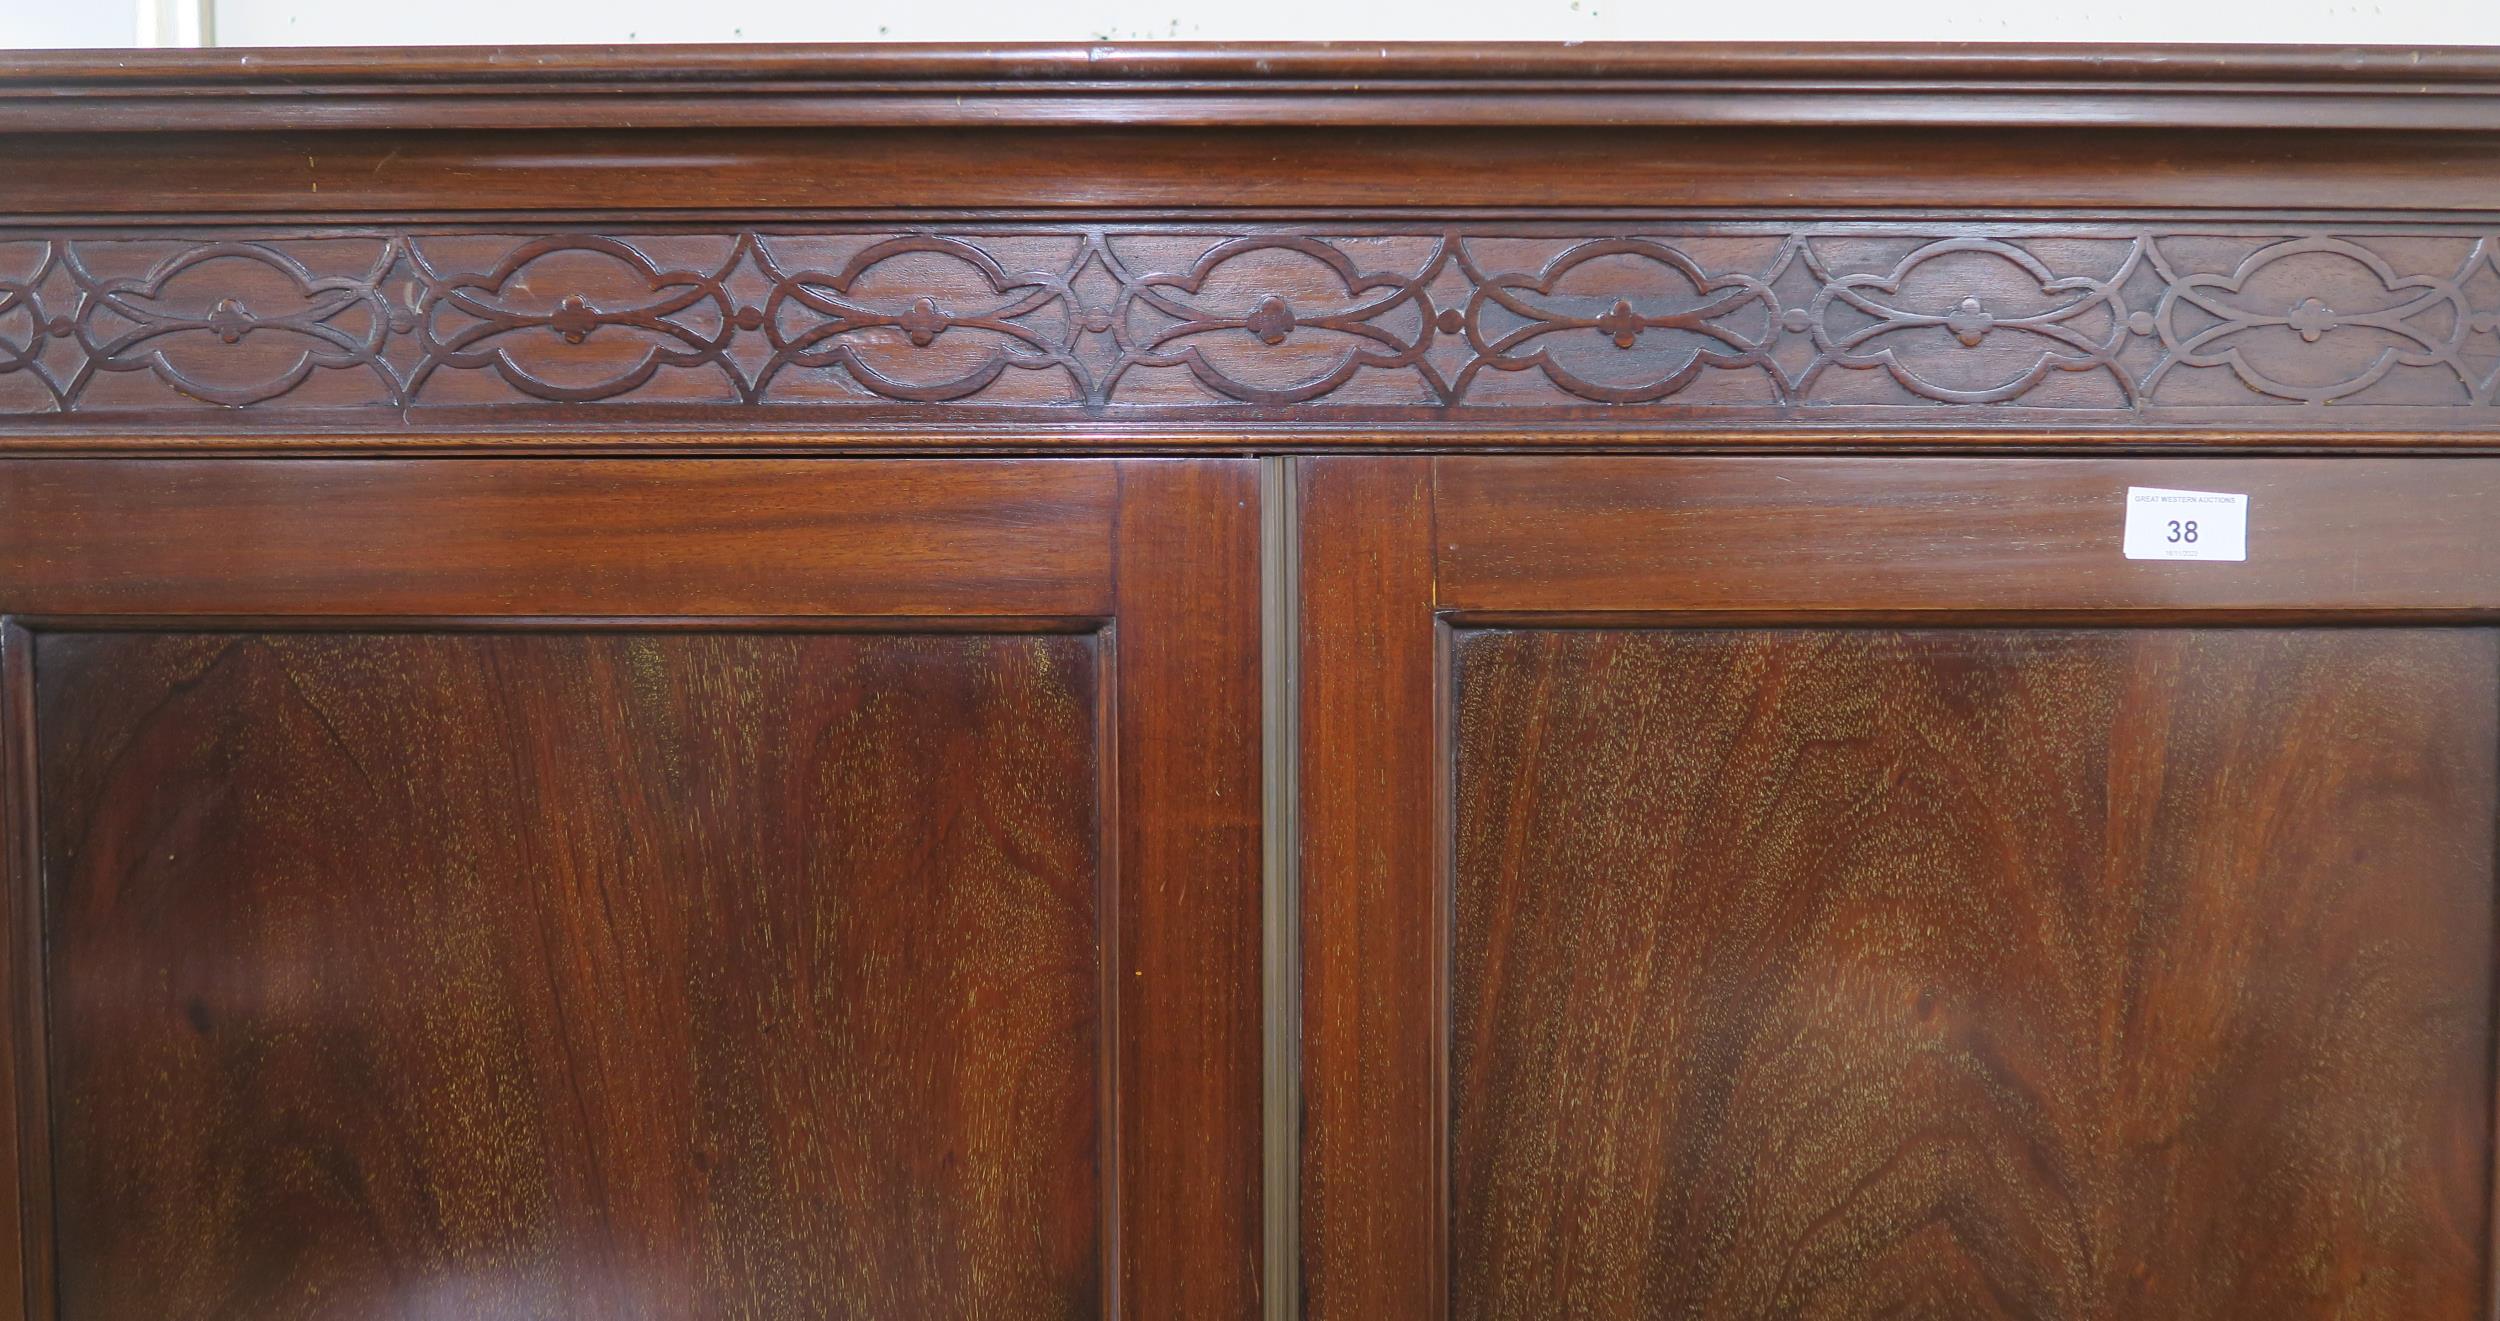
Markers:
1101,321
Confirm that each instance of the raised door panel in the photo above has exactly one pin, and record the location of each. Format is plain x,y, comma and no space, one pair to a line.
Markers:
1843,889
1973,973
639,907
594,973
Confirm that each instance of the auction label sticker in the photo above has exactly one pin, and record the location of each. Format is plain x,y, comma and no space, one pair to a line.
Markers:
2186,525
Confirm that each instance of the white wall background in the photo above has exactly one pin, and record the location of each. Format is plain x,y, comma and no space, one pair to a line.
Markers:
36,23
30,23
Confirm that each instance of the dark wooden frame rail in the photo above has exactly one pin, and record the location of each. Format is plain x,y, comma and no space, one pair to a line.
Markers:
441,338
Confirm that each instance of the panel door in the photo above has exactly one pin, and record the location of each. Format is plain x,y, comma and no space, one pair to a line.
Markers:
586,888
1813,887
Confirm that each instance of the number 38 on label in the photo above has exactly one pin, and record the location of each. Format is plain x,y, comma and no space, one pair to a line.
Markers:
2185,525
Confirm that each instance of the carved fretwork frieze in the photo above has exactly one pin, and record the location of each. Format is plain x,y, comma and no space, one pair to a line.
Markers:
1859,321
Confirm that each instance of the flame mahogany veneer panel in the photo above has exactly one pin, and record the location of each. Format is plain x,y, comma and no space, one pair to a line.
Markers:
684,974
2039,974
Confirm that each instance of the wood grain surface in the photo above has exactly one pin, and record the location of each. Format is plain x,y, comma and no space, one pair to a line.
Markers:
1371,947
927,175
1605,534
2179,265
1201,85
587,537
2037,974
1186,656
26,1261
575,974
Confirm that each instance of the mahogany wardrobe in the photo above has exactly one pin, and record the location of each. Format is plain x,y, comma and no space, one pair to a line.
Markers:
1434,683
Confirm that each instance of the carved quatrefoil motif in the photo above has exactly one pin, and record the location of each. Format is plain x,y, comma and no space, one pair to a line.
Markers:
918,318
1524,322
1295,349
530,320
1912,316
2267,323
231,323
